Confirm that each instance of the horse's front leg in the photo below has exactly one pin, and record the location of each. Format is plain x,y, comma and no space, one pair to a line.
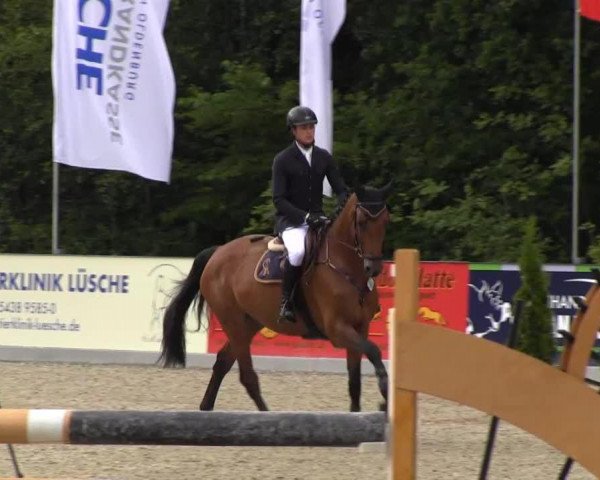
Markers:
345,336
353,363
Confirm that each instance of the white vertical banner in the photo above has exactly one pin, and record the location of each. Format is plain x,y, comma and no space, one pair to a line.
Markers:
320,22
114,87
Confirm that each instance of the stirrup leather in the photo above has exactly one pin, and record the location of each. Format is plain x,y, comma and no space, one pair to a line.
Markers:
286,311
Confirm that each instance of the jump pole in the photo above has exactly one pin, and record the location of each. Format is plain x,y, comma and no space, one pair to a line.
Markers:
128,427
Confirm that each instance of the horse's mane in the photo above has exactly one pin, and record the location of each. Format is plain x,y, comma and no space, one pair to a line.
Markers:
340,206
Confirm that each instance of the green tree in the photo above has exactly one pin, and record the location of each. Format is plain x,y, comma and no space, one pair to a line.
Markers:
594,251
236,132
25,126
464,104
480,136
535,335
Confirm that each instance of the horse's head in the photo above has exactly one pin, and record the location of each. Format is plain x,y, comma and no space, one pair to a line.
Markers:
369,217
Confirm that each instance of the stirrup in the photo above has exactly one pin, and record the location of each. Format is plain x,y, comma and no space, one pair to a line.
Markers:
286,313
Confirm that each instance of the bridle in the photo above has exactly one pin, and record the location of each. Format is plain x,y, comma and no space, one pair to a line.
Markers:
357,247
363,288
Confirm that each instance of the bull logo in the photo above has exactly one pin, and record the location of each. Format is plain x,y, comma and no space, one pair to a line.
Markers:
268,333
426,314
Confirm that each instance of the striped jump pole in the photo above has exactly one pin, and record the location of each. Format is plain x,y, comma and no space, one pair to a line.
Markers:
294,429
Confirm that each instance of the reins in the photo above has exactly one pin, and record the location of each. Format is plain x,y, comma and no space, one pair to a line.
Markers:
362,291
363,288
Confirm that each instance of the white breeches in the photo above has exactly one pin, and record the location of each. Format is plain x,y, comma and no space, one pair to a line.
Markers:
293,239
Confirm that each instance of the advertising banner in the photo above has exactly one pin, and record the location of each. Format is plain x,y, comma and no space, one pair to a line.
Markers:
443,294
97,303
491,294
117,303
443,302
564,287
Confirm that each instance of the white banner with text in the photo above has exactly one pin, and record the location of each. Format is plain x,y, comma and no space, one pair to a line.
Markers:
89,302
114,87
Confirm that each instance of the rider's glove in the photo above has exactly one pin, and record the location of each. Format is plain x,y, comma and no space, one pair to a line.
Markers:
315,220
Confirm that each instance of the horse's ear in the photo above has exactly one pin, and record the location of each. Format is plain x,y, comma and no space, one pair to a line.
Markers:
360,192
386,190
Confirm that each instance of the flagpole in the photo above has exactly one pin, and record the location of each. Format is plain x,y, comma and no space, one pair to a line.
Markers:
575,174
55,249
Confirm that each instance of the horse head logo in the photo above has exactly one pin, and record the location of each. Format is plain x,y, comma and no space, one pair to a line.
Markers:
164,278
499,311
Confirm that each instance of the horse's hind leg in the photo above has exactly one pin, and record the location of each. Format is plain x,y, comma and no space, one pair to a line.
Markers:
223,364
248,376
240,329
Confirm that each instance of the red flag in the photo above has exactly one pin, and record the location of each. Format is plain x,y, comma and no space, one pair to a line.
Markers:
590,9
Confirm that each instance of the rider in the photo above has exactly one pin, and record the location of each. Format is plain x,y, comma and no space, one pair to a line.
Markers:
298,173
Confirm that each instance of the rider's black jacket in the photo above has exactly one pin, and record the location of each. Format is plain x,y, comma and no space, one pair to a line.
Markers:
298,186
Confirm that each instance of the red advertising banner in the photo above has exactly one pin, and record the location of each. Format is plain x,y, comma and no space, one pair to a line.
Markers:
443,289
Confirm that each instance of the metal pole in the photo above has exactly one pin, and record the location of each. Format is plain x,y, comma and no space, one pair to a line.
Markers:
55,249
575,179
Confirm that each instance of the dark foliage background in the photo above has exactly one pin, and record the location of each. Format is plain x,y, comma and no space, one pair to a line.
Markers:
464,104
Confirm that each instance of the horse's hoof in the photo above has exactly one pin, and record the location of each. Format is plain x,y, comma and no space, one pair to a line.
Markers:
383,406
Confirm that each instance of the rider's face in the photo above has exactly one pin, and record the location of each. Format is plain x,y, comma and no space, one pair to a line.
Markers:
304,134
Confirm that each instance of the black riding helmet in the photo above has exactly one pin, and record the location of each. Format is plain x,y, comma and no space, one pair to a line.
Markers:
300,116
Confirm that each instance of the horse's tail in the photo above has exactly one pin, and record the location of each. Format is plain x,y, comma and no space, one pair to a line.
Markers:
173,341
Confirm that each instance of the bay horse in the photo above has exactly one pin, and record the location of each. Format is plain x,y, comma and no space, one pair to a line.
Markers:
337,288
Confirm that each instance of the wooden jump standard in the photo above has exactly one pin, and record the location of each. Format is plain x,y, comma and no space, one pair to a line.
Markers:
556,405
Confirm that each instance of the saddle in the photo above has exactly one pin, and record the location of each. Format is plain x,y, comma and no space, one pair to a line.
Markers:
271,264
270,267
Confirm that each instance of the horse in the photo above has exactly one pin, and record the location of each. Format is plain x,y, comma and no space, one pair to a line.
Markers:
336,297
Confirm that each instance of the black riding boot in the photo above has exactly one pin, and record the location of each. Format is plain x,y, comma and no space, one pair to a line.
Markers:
291,275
